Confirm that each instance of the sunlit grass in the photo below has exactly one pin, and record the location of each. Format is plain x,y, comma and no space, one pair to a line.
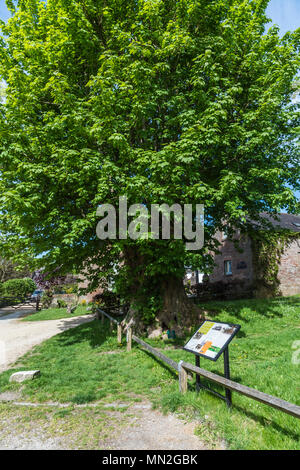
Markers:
55,314
85,365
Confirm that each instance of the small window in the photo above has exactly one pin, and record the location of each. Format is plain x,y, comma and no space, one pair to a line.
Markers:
227,268
241,265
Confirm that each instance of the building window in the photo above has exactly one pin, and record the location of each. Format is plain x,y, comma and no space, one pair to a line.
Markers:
241,265
227,268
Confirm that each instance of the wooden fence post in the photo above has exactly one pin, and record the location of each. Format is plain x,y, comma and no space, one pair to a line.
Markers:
119,333
129,339
111,325
182,376
102,318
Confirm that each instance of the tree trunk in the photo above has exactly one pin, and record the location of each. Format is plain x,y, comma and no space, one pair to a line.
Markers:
178,311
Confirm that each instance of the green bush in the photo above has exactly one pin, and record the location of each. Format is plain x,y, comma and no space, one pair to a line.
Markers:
47,299
18,287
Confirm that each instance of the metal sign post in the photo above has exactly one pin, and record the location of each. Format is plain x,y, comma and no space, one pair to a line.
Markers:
227,376
198,381
200,385
210,341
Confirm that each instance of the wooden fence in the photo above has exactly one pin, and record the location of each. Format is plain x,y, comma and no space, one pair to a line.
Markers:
101,314
17,302
183,367
269,400
156,353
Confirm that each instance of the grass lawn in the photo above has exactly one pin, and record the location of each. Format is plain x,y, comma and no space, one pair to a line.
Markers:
55,314
85,365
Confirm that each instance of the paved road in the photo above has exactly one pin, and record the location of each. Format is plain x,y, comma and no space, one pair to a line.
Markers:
17,337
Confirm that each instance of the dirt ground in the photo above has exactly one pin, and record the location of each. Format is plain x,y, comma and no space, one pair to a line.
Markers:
16,337
150,429
30,426
34,427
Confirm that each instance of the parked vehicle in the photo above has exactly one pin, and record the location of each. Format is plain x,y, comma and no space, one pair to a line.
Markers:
37,293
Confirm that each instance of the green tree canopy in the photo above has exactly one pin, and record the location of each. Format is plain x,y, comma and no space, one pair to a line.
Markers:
164,101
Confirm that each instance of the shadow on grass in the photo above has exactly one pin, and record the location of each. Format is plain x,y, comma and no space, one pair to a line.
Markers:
265,421
94,331
267,308
160,362
262,420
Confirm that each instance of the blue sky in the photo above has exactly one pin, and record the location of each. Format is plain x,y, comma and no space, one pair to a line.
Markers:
285,13
4,14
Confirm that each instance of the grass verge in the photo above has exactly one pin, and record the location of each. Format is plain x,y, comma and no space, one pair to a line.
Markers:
55,314
85,365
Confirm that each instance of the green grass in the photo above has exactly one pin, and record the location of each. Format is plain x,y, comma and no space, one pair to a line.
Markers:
55,314
71,426
75,368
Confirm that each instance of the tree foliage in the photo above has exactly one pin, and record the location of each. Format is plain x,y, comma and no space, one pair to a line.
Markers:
9,270
186,101
19,288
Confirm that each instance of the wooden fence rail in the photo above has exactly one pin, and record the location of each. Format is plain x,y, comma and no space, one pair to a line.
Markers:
182,367
108,316
274,402
112,320
156,353
18,302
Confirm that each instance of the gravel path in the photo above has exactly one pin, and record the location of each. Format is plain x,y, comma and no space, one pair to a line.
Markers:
148,429
142,429
16,337
151,430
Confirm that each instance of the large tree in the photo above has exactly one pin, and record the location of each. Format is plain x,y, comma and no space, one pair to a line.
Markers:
164,101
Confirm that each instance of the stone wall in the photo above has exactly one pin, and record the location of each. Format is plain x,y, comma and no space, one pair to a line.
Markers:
289,269
89,296
242,265
68,298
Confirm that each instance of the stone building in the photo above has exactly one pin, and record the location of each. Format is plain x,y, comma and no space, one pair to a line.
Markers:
84,284
237,264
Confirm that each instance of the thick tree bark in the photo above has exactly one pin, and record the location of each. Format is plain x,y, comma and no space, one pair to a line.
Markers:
178,311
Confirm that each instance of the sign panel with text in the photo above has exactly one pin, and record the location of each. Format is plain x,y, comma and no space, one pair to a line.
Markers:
211,339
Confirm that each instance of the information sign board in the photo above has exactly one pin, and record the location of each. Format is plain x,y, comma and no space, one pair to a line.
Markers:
211,339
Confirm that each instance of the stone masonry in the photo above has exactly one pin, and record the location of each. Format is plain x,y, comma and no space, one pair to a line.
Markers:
242,259
289,270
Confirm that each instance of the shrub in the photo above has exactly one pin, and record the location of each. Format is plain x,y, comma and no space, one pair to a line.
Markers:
47,299
61,303
222,290
18,287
